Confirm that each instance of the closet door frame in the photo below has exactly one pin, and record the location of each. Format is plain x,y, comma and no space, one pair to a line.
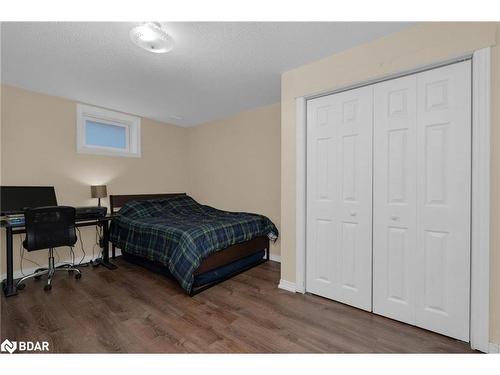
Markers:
480,210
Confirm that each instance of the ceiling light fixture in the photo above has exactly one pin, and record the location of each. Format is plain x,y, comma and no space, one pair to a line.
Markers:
152,37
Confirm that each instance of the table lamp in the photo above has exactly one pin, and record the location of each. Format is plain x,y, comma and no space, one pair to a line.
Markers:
98,191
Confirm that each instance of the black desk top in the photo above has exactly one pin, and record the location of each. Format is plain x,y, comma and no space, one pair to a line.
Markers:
7,224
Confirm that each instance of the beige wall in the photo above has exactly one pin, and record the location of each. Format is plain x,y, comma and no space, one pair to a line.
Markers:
234,163
39,148
416,46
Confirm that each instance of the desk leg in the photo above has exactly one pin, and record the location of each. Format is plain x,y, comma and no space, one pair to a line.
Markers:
8,286
104,261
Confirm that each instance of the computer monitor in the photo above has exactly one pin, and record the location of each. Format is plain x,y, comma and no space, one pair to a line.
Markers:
14,199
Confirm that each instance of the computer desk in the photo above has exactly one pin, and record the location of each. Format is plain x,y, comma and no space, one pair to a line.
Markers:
9,286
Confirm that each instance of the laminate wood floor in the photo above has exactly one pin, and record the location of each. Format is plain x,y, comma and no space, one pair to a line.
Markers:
132,310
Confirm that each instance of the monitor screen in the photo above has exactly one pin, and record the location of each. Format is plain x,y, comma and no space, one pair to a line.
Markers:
15,198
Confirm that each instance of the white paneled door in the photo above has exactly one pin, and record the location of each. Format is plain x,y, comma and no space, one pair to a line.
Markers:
394,198
422,189
417,211
443,199
339,197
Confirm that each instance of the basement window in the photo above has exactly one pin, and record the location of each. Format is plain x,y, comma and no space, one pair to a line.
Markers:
104,132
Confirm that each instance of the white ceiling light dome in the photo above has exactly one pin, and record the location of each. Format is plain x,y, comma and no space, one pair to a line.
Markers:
152,37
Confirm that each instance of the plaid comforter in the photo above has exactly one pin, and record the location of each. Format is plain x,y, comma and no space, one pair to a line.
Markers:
179,232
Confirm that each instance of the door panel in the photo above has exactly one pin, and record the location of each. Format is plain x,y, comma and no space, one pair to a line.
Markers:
321,229
339,204
443,204
435,271
349,168
421,243
394,198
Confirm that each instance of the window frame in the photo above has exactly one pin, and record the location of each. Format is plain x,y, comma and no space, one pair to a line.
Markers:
132,125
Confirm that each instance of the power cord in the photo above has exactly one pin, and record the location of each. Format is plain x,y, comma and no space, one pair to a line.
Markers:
58,257
98,241
83,250
21,253
72,253
98,237
59,263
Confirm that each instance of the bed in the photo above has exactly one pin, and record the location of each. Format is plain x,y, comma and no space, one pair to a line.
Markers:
197,245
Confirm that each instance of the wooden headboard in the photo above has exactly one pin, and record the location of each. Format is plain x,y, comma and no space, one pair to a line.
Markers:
117,201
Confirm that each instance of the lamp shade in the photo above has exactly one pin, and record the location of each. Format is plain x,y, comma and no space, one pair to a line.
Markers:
98,191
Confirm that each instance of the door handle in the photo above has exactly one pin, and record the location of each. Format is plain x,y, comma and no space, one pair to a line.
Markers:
353,213
394,218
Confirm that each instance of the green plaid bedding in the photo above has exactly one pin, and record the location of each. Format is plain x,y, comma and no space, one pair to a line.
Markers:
179,232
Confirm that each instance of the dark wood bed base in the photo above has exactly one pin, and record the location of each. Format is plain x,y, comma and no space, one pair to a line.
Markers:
212,262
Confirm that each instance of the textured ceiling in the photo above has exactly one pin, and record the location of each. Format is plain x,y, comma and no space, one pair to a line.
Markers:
216,69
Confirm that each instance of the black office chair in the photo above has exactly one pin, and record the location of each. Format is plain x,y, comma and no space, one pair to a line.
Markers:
47,228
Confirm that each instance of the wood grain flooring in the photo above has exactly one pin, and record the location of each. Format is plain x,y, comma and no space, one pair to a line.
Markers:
131,310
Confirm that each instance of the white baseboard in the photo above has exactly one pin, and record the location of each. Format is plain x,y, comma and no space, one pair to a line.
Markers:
494,348
275,257
287,285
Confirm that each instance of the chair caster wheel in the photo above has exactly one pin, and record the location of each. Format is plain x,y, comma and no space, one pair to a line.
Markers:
37,277
21,286
78,276
47,287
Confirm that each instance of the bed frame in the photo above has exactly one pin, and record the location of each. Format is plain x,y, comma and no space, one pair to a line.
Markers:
216,260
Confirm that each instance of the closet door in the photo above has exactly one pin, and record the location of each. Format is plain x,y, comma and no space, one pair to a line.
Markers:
394,198
339,197
422,188
443,199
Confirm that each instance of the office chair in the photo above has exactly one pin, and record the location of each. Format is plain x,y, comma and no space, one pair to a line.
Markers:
47,228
